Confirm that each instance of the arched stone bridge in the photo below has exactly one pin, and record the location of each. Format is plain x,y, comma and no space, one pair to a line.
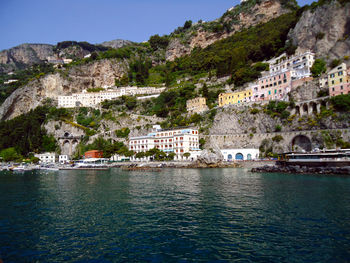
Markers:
310,107
292,140
68,142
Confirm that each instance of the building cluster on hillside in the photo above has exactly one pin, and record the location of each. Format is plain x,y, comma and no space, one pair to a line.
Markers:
58,60
92,99
196,105
285,73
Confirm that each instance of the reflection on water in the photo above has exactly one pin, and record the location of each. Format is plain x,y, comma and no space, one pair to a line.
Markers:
175,215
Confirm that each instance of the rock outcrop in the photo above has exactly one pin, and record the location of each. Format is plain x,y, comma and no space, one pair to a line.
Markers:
238,18
209,157
117,43
24,55
98,74
325,30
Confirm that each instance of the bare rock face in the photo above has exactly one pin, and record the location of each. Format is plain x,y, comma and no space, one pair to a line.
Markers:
307,91
98,74
324,30
260,13
211,157
24,55
117,43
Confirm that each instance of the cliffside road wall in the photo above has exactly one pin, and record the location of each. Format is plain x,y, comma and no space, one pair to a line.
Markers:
290,139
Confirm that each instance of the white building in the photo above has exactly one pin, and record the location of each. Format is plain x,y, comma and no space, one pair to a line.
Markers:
299,65
240,154
92,99
46,157
178,141
62,159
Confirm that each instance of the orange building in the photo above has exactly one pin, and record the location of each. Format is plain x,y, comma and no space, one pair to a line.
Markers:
94,154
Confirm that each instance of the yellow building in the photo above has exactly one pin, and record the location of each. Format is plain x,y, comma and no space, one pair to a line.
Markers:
196,105
339,80
337,76
235,97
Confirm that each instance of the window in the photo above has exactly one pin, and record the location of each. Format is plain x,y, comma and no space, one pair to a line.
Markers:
341,80
332,89
341,87
340,73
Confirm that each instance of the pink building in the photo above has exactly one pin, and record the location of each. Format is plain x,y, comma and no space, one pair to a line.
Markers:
339,83
273,87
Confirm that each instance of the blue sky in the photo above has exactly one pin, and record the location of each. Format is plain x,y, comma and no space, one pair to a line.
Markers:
95,21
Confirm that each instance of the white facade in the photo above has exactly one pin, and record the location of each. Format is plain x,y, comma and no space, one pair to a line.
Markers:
62,159
118,158
299,65
240,154
91,99
46,157
178,141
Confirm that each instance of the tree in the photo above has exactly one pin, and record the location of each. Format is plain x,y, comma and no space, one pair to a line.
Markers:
201,143
157,42
187,24
318,68
140,155
187,154
10,154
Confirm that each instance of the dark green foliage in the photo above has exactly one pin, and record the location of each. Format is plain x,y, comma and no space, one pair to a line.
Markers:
139,71
318,68
158,42
10,154
323,93
238,52
278,128
278,109
87,118
173,100
129,102
187,24
277,138
49,144
108,147
25,133
23,77
84,45
122,133
201,143
341,102
335,63
254,111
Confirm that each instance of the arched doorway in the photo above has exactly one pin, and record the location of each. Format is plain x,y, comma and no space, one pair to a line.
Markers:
239,156
229,157
66,148
301,143
249,156
313,107
305,109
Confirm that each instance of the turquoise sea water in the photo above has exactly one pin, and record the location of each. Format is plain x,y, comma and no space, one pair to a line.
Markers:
208,215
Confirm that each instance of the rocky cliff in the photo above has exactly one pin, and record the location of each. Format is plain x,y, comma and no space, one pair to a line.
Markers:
97,74
325,30
242,16
24,55
117,43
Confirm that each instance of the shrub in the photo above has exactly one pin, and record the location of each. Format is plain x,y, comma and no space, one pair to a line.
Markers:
277,138
278,128
341,102
318,68
335,63
254,111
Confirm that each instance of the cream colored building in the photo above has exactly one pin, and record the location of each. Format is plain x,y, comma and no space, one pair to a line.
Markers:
196,105
46,157
92,99
178,141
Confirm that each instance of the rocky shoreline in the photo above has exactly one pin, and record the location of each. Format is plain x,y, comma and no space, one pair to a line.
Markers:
302,170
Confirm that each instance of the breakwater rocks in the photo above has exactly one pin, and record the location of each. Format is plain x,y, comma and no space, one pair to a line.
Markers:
302,170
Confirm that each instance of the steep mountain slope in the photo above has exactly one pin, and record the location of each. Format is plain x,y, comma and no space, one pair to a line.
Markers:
24,55
324,30
96,74
245,15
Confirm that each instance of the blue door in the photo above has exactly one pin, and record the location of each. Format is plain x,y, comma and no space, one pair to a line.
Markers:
229,157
